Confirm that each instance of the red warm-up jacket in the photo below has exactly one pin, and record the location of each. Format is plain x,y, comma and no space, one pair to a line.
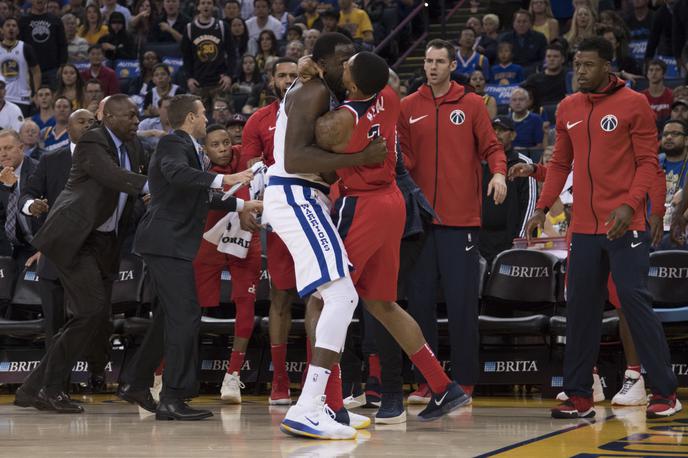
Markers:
613,139
443,141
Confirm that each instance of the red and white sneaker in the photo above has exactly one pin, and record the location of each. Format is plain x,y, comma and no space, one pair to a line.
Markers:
280,394
574,407
662,407
421,396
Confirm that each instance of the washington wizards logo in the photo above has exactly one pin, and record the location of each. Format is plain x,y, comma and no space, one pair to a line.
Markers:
457,117
609,123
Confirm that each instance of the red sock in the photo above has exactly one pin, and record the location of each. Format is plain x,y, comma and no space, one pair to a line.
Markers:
235,362
160,368
594,369
279,361
374,366
333,390
427,364
633,368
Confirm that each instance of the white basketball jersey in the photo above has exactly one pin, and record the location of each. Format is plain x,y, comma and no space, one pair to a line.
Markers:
15,70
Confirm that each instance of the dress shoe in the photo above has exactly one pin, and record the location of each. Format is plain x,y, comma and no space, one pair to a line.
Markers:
142,398
60,402
96,383
25,398
176,409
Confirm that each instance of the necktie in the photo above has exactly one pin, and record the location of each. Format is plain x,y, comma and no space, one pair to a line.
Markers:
11,220
123,156
203,159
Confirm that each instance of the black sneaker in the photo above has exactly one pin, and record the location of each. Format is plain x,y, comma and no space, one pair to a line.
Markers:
392,409
452,398
372,393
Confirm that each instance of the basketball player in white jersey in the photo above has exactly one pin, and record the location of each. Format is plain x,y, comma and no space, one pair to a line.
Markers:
297,208
19,66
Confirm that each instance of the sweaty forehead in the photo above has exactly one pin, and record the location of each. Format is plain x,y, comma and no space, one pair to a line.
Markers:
344,50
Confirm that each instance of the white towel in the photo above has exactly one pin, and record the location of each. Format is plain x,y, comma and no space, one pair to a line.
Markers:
229,237
256,186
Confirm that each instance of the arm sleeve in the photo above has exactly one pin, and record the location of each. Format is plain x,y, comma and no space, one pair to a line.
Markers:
540,172
30,56
559,167
99,164
658,194
176,169
678,29
539,134
61,39
187,54
36,186
644,140
655,32
489,148
251,143
404,132
366,25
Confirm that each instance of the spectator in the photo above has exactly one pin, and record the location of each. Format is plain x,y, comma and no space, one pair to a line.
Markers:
162,87
94,94
152,129
261,95
75,7
295,50
679,38
209,53
356,21
222,111
658,95
117,43
501,224
261,22
330,23
45,33
54,7
4,11
235,128
310,15
111,6
582,27
506,71
247,9
467,59
268,49
279,12
93,28
623,64
612,20
679,110
528,46
660,41
97,70
477,80
239,33
248,78
143,83
171,25
19,66
474,23
11,116
43,101
549,86
231,10
672,159
309,39
142,24
70,85
56,137
294,33
30,136
487,42
639,21
77,47
681,92
543,19
528,125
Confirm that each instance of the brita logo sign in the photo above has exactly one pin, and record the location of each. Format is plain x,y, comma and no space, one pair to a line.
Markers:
523,271
510,366
669,272
28,366
222,365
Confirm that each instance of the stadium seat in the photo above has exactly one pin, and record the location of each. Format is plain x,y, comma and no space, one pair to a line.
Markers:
26,295
7,278
127,290
21,328
668,285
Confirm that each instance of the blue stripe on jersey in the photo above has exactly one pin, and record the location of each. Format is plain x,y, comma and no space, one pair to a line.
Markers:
307,193
317,249
344,210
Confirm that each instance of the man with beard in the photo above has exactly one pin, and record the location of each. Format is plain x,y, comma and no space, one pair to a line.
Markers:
672,159
257,144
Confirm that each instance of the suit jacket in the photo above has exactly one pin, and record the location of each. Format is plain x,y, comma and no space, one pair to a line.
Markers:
90,196
47,182
28,168
180,199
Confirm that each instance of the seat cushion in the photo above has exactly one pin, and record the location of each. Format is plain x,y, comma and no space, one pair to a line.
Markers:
519,326
23,328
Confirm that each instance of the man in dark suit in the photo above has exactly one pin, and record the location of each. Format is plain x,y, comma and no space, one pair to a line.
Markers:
81,236
36,198
168,238
17,230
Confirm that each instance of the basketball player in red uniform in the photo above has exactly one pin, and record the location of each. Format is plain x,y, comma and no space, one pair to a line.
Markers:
257,143
370,217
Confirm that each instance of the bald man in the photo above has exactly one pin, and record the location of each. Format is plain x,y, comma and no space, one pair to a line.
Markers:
81,236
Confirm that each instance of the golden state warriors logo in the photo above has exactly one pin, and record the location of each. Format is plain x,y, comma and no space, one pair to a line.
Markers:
207,48
609,123
9,69
457,117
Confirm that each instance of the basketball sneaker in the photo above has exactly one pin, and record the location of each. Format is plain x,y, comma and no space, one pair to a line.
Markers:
662,407
280,394
421,396
231,388
574,407
441,404
316,421
372,392
354,396
632,392
597,390
157,388
354,420
391,410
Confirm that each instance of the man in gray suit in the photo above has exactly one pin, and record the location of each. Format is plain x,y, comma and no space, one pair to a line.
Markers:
81,236
168,238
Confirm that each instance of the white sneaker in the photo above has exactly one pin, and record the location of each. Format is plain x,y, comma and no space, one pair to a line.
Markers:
356,421
157,388
632,392
353,402
315,421
597,391
231,388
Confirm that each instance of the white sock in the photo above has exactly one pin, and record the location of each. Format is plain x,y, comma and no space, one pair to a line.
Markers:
316,381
